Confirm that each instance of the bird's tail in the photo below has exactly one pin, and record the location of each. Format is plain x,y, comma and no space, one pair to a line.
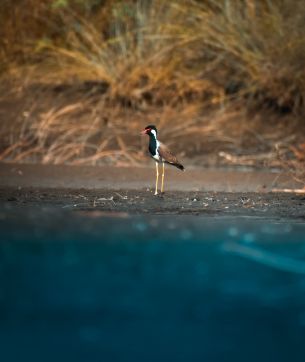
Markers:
178,165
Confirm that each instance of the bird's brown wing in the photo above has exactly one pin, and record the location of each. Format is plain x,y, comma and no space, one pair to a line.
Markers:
168,157
166,154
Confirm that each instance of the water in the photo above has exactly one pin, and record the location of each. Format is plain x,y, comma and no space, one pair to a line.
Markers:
93,287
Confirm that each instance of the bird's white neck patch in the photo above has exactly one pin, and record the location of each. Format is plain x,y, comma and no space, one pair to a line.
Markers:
154,133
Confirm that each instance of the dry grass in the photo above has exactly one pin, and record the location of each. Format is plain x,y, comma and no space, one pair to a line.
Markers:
207,70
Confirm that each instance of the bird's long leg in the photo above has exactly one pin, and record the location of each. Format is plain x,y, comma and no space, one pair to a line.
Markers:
163,172
157,177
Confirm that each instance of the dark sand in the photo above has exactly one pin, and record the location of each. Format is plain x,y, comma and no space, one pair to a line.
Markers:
130,190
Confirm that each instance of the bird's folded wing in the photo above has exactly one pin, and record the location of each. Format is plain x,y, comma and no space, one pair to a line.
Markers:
166,154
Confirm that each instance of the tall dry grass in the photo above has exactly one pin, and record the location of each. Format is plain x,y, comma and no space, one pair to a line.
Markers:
255,49
186,65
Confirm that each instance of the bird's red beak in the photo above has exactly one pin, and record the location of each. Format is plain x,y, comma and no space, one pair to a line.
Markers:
144,131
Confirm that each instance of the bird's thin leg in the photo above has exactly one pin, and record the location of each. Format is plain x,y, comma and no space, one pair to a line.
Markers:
157,177
163,172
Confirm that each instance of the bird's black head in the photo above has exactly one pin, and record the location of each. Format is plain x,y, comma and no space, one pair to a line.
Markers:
151,130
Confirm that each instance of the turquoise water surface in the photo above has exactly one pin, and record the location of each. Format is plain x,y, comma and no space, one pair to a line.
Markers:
95,287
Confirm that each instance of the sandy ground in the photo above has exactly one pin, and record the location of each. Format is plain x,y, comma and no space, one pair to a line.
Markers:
128,190
139,178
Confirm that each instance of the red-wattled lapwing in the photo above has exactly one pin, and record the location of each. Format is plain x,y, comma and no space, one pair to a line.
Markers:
160,153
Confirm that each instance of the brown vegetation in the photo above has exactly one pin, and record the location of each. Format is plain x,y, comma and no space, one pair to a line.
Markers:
223,78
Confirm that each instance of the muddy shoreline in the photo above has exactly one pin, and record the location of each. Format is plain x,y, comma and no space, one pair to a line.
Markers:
112,190
102,202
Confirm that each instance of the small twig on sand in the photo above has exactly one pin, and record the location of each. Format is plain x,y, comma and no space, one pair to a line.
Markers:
122,197
293,191
105,199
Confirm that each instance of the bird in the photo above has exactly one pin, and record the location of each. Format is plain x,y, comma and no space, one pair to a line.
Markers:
160,153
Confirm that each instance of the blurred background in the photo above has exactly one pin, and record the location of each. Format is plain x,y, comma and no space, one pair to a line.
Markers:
224,80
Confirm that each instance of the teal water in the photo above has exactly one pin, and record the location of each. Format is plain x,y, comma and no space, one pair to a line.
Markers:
90,287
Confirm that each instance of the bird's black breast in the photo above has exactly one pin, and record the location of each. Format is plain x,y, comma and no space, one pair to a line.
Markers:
152,146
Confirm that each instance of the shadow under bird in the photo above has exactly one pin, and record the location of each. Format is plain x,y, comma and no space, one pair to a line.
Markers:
160,153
